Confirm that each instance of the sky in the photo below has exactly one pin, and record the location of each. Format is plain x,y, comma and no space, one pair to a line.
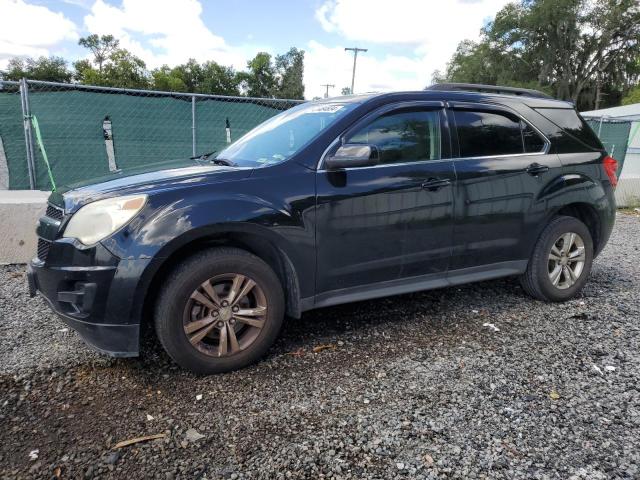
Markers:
407,40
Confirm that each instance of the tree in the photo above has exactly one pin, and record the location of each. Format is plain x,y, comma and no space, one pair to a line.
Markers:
632,97
260,79
586,51
345,91
101,47
190,73
166,79
122,69
51,69
209,77
219,80
290,69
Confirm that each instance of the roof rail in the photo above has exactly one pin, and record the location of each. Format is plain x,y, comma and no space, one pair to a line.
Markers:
476,87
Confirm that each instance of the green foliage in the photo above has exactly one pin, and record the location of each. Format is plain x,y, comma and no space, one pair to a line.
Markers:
260,79
587,51
121,69
101,46
51,69
166,80
632,97
290,69
209,77
276,78
279,77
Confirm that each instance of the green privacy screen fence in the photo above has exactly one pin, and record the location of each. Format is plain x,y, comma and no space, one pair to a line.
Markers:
614,135
91,131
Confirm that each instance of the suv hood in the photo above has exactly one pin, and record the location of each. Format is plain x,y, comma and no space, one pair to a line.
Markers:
147,179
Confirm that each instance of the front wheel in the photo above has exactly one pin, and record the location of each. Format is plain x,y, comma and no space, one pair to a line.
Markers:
561,261
219,310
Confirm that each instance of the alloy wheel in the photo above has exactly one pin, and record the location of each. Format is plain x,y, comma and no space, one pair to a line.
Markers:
566,260
225,315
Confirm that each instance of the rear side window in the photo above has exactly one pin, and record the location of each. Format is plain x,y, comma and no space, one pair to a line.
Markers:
485,134
533,142
573,124
406,136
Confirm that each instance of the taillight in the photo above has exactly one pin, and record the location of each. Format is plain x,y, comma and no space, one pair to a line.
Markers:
610,166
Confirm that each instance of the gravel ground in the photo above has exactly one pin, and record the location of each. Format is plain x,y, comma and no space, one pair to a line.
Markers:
416,386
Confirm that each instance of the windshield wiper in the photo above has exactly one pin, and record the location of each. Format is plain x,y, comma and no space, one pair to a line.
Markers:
224,161
216,161
202,156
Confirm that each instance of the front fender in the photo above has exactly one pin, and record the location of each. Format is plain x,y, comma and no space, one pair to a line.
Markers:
175,218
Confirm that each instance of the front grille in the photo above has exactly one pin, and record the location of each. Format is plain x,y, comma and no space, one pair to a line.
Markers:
54,212
43,249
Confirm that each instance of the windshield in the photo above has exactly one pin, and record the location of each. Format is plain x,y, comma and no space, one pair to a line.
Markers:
278,138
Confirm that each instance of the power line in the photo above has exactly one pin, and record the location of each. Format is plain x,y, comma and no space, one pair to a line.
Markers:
328,85
355,51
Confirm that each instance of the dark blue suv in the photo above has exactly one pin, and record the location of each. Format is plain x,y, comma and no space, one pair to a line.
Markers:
329,202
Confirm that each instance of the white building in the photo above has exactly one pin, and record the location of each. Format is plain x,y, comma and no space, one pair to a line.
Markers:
628,191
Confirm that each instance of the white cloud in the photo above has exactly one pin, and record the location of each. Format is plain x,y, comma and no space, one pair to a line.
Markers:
31,30
426,34
163,32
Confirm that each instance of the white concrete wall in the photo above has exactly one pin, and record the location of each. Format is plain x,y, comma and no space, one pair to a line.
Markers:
19,214
628,191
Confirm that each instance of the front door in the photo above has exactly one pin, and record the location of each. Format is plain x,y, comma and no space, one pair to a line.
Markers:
394,219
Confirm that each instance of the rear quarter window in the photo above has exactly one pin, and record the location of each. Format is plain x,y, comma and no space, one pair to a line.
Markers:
573,124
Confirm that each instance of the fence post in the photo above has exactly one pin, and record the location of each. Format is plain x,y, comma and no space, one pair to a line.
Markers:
193,126
28,135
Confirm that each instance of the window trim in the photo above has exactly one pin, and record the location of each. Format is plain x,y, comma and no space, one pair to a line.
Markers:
438,106
491,108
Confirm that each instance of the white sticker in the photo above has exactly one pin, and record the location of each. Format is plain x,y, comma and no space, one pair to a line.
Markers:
325,108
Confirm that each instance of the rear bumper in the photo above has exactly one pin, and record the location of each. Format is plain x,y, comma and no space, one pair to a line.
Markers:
96,300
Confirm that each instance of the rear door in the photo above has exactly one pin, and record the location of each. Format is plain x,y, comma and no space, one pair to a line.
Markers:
502,164
394,219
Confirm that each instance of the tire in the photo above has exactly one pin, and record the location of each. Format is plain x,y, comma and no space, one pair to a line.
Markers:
184,311
538,279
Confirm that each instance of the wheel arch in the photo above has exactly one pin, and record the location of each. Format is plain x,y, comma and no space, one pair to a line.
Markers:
588,215
579,196
258,244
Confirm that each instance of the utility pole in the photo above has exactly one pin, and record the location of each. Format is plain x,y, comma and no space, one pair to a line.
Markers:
355,51
328,85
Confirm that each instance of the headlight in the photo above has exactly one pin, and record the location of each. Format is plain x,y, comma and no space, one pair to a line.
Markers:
98,220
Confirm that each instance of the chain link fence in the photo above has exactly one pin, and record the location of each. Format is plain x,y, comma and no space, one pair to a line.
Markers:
91,131
614,135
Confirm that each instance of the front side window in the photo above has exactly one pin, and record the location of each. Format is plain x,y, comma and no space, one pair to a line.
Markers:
485,134
400,137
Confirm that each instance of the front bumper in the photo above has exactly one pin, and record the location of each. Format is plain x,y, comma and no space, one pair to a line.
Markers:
93,293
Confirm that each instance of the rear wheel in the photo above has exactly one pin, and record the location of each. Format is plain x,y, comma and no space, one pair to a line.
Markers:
561,261
219,311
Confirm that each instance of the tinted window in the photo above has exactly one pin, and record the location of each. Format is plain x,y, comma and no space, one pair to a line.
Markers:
573,124
483,134
533,142
408,136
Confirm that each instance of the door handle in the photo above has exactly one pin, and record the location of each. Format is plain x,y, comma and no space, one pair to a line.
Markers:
435,184
536,169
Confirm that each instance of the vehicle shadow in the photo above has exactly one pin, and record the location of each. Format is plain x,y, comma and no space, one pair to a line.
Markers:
437,312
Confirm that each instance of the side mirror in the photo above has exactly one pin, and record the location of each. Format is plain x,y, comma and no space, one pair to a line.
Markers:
353,155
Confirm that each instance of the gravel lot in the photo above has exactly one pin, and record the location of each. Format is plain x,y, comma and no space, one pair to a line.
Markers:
417,386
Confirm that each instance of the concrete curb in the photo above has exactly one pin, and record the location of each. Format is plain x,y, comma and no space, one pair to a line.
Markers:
19,213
